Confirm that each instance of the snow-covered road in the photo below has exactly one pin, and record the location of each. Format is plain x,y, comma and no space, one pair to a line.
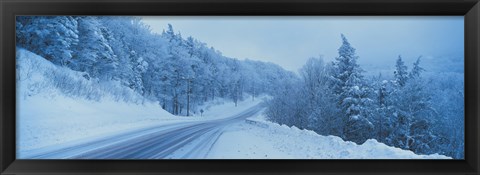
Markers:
192,139
54,124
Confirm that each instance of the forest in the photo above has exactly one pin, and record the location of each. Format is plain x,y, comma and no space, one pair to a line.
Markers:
409,109
178,73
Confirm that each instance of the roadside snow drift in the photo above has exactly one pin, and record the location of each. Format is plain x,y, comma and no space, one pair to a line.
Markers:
260,139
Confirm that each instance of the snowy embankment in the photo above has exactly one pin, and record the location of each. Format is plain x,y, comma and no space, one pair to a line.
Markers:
260,139
56,105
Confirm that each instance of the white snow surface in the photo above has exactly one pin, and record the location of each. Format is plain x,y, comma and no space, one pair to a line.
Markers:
220,108
47,117
261,139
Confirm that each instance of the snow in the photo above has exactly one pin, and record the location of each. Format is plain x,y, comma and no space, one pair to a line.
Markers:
49,121
267,140
49,118
220,108
355,117
46,116
238,142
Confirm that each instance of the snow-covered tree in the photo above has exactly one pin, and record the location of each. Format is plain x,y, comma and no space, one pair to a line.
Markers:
323,113
416,70
120,28
52,37
448,126
282,109
412,114
381,111
93,54
352,94
401,74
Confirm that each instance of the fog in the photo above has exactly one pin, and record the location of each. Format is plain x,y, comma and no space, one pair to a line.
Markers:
290,41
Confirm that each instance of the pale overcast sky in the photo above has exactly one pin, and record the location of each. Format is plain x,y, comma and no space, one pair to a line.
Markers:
290,41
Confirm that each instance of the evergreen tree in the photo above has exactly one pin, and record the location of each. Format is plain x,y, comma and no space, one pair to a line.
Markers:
93,53
401,74
121,28
352,94
52,37
382,120
412,114
416,70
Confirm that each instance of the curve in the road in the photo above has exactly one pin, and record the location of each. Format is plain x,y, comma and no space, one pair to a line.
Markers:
186,141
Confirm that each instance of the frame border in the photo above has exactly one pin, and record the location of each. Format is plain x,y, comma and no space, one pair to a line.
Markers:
470,9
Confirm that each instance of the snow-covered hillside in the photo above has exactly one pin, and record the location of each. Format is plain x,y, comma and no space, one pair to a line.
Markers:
48,114
53,114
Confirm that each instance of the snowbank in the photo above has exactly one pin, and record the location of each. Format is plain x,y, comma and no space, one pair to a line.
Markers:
260,139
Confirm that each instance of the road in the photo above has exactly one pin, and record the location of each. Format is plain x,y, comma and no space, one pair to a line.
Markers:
190,140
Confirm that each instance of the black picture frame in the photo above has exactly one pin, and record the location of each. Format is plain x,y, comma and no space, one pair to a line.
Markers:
470,9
